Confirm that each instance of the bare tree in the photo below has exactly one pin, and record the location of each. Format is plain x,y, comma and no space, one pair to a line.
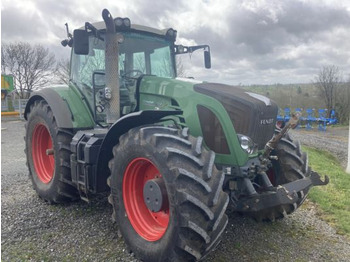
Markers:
62,71
140,63
166,68
181,72
31,66
327,82
91,63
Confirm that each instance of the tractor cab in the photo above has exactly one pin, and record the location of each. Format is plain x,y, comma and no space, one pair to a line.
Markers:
141,51
139,54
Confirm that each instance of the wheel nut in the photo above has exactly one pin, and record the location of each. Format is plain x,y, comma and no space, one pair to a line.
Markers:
49,151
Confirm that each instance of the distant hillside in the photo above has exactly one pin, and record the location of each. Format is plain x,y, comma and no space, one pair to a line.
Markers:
291,95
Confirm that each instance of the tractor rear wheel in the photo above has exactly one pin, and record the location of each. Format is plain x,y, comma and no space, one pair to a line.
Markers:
166,194
48,155
292,164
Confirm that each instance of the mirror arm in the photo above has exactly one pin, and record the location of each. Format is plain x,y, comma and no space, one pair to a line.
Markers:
90,28
191,49
180,49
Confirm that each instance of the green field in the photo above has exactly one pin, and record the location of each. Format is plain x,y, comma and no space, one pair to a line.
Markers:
333,200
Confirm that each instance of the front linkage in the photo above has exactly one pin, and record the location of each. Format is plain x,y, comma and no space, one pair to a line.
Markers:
286,194
277,182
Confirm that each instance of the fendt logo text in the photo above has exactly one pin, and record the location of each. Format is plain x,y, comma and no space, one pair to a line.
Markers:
266,121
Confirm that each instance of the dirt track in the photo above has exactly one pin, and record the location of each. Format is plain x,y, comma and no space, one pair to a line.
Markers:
32,230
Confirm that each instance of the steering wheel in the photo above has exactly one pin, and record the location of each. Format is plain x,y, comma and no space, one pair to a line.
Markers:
134,74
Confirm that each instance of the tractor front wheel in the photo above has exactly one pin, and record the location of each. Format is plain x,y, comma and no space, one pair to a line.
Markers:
166,194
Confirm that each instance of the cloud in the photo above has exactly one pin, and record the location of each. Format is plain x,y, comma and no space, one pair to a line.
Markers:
271,35
20,24
251,41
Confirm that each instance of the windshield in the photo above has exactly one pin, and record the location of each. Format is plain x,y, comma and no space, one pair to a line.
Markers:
138,54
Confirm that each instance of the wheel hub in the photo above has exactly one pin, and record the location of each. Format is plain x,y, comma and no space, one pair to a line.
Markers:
154,194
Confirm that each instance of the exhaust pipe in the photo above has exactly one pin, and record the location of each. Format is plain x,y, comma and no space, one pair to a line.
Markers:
111,68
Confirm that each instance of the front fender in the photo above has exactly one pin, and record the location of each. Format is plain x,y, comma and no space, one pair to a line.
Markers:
119,128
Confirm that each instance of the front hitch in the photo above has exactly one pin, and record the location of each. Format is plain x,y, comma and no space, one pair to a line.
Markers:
316,179
286,194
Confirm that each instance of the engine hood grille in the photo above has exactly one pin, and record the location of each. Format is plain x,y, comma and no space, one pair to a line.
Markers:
251,114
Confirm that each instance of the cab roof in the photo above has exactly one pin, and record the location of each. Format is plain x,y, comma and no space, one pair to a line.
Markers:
102,26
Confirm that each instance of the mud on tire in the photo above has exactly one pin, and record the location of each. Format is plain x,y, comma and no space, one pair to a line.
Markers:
49,171
194,217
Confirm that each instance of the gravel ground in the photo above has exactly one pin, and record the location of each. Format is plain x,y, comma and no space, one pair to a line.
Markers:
32,230
335,140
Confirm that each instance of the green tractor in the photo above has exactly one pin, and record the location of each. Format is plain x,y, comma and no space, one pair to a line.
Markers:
175,154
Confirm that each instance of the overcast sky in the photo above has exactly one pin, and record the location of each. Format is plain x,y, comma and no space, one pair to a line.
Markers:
252,42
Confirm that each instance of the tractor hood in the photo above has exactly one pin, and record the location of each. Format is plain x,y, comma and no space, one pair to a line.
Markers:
251,114
215,112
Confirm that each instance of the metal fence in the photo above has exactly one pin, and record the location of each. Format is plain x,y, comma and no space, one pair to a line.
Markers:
14,104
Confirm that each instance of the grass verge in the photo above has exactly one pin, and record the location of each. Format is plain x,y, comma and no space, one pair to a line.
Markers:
334,198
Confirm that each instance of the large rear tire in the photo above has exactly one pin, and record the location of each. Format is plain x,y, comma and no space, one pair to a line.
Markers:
48,155
192,217
292,164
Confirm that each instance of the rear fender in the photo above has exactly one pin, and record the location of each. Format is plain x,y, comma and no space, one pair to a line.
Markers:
59,108
68,107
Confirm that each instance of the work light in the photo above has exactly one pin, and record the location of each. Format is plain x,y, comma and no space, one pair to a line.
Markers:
126,22
118,21
171,33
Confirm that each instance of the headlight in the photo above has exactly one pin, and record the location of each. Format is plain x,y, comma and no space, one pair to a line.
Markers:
247,144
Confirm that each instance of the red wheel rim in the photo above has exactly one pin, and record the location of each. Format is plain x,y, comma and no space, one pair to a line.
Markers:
149,225
44,161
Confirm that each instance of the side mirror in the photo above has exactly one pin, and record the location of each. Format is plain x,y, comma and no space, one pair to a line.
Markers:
81,42
180,49
207,59
98,79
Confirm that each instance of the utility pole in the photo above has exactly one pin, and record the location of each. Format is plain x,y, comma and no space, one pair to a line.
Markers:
348,167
